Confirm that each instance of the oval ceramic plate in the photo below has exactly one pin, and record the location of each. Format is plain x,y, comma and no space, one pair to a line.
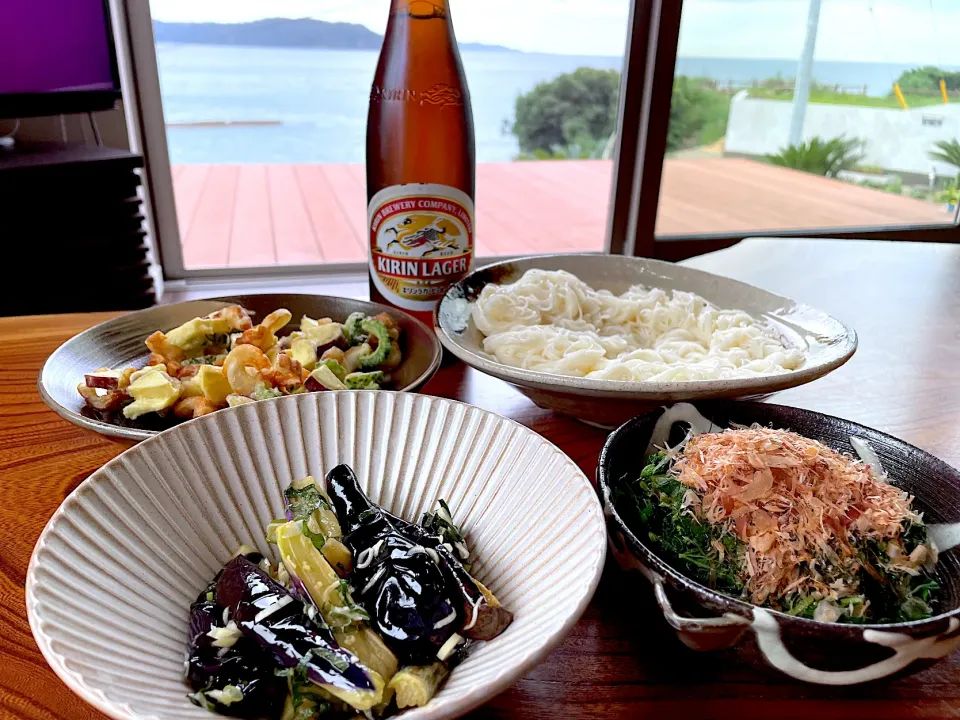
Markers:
826,341
118,343
112,576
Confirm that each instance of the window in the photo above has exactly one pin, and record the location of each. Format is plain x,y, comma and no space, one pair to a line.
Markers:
870,146
265,144
266,137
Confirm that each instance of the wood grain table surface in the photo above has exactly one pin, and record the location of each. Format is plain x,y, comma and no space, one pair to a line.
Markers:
620,660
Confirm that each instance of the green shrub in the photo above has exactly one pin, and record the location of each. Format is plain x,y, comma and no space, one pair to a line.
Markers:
951,194
563,111
821,157
947,151
698,114
574,115
927,79
583,148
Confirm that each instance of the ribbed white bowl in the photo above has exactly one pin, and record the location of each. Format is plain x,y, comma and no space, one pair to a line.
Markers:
114,572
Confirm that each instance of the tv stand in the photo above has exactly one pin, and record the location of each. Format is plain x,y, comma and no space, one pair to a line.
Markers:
74,213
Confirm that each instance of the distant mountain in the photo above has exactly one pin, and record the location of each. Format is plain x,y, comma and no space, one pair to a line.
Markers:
284,32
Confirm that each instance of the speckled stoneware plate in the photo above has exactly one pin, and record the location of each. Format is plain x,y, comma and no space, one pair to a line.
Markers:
118,343
807,650
827,342
112,576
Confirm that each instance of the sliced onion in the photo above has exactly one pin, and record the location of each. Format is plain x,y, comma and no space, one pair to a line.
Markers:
869,457
681,412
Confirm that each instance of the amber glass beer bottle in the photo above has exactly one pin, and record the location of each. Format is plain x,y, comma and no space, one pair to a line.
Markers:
421,161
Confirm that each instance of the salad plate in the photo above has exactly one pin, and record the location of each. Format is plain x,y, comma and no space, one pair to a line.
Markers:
112,578
120,343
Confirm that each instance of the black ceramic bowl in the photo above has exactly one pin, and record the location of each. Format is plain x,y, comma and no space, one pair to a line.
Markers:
811,651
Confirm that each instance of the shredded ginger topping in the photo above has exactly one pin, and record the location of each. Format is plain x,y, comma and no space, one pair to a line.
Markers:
795,503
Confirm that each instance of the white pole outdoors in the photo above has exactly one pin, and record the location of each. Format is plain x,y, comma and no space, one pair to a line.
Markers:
801,89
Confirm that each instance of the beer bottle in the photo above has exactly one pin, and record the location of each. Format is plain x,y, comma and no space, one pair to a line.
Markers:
421,161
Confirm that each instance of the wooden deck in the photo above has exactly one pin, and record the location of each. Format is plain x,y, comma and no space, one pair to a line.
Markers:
247,215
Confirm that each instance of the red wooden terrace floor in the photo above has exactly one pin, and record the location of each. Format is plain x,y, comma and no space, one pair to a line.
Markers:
243,215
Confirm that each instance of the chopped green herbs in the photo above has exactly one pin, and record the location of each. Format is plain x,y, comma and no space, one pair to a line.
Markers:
205,359
440,523
317,538
348,613
664,511
301,502
307,704
263,392
658,502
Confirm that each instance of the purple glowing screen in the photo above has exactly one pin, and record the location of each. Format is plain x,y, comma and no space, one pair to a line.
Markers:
54,46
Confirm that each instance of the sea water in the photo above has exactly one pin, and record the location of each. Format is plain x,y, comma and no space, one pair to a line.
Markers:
309,105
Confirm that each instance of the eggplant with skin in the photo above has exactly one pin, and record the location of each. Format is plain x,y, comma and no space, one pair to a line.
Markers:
314,577
484,616
217,674
267,613
412,603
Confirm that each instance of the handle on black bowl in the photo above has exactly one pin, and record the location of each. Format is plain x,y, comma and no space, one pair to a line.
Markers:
710,633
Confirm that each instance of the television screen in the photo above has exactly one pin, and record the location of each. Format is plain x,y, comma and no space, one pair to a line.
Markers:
56,56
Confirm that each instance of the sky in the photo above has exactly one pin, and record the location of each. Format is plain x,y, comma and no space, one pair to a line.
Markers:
895,31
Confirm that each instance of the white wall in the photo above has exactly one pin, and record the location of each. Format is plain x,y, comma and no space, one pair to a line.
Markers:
895,139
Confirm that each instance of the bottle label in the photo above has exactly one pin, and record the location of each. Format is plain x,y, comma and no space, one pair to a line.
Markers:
421,242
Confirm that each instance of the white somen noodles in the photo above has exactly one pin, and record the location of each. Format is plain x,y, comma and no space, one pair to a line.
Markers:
553,322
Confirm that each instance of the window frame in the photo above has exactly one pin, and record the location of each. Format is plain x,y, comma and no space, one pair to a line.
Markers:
655,26
146,114
642,128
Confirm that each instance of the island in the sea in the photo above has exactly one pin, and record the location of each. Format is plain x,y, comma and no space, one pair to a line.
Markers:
284,32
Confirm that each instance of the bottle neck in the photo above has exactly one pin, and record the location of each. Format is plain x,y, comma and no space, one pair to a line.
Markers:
420,9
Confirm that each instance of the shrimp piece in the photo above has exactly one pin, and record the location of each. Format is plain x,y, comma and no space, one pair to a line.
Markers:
286,375
243,367
277,320
264,335
236,316
159,345
187,371
193,407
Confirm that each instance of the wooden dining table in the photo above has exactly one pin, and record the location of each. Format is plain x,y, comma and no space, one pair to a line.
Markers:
620,660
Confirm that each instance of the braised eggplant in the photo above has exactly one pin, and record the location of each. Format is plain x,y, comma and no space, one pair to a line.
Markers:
268,613
411,602
234,678
366,612
484,616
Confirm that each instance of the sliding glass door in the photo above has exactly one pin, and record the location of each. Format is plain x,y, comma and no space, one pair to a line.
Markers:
264,117
644,127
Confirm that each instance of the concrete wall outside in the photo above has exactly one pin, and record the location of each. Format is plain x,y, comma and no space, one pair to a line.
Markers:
895,139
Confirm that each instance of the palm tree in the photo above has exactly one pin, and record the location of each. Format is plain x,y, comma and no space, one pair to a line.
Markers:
947,151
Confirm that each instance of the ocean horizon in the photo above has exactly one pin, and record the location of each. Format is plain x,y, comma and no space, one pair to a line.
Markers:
310,105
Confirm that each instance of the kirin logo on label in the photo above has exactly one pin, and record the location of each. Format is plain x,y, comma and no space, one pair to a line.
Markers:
423,236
